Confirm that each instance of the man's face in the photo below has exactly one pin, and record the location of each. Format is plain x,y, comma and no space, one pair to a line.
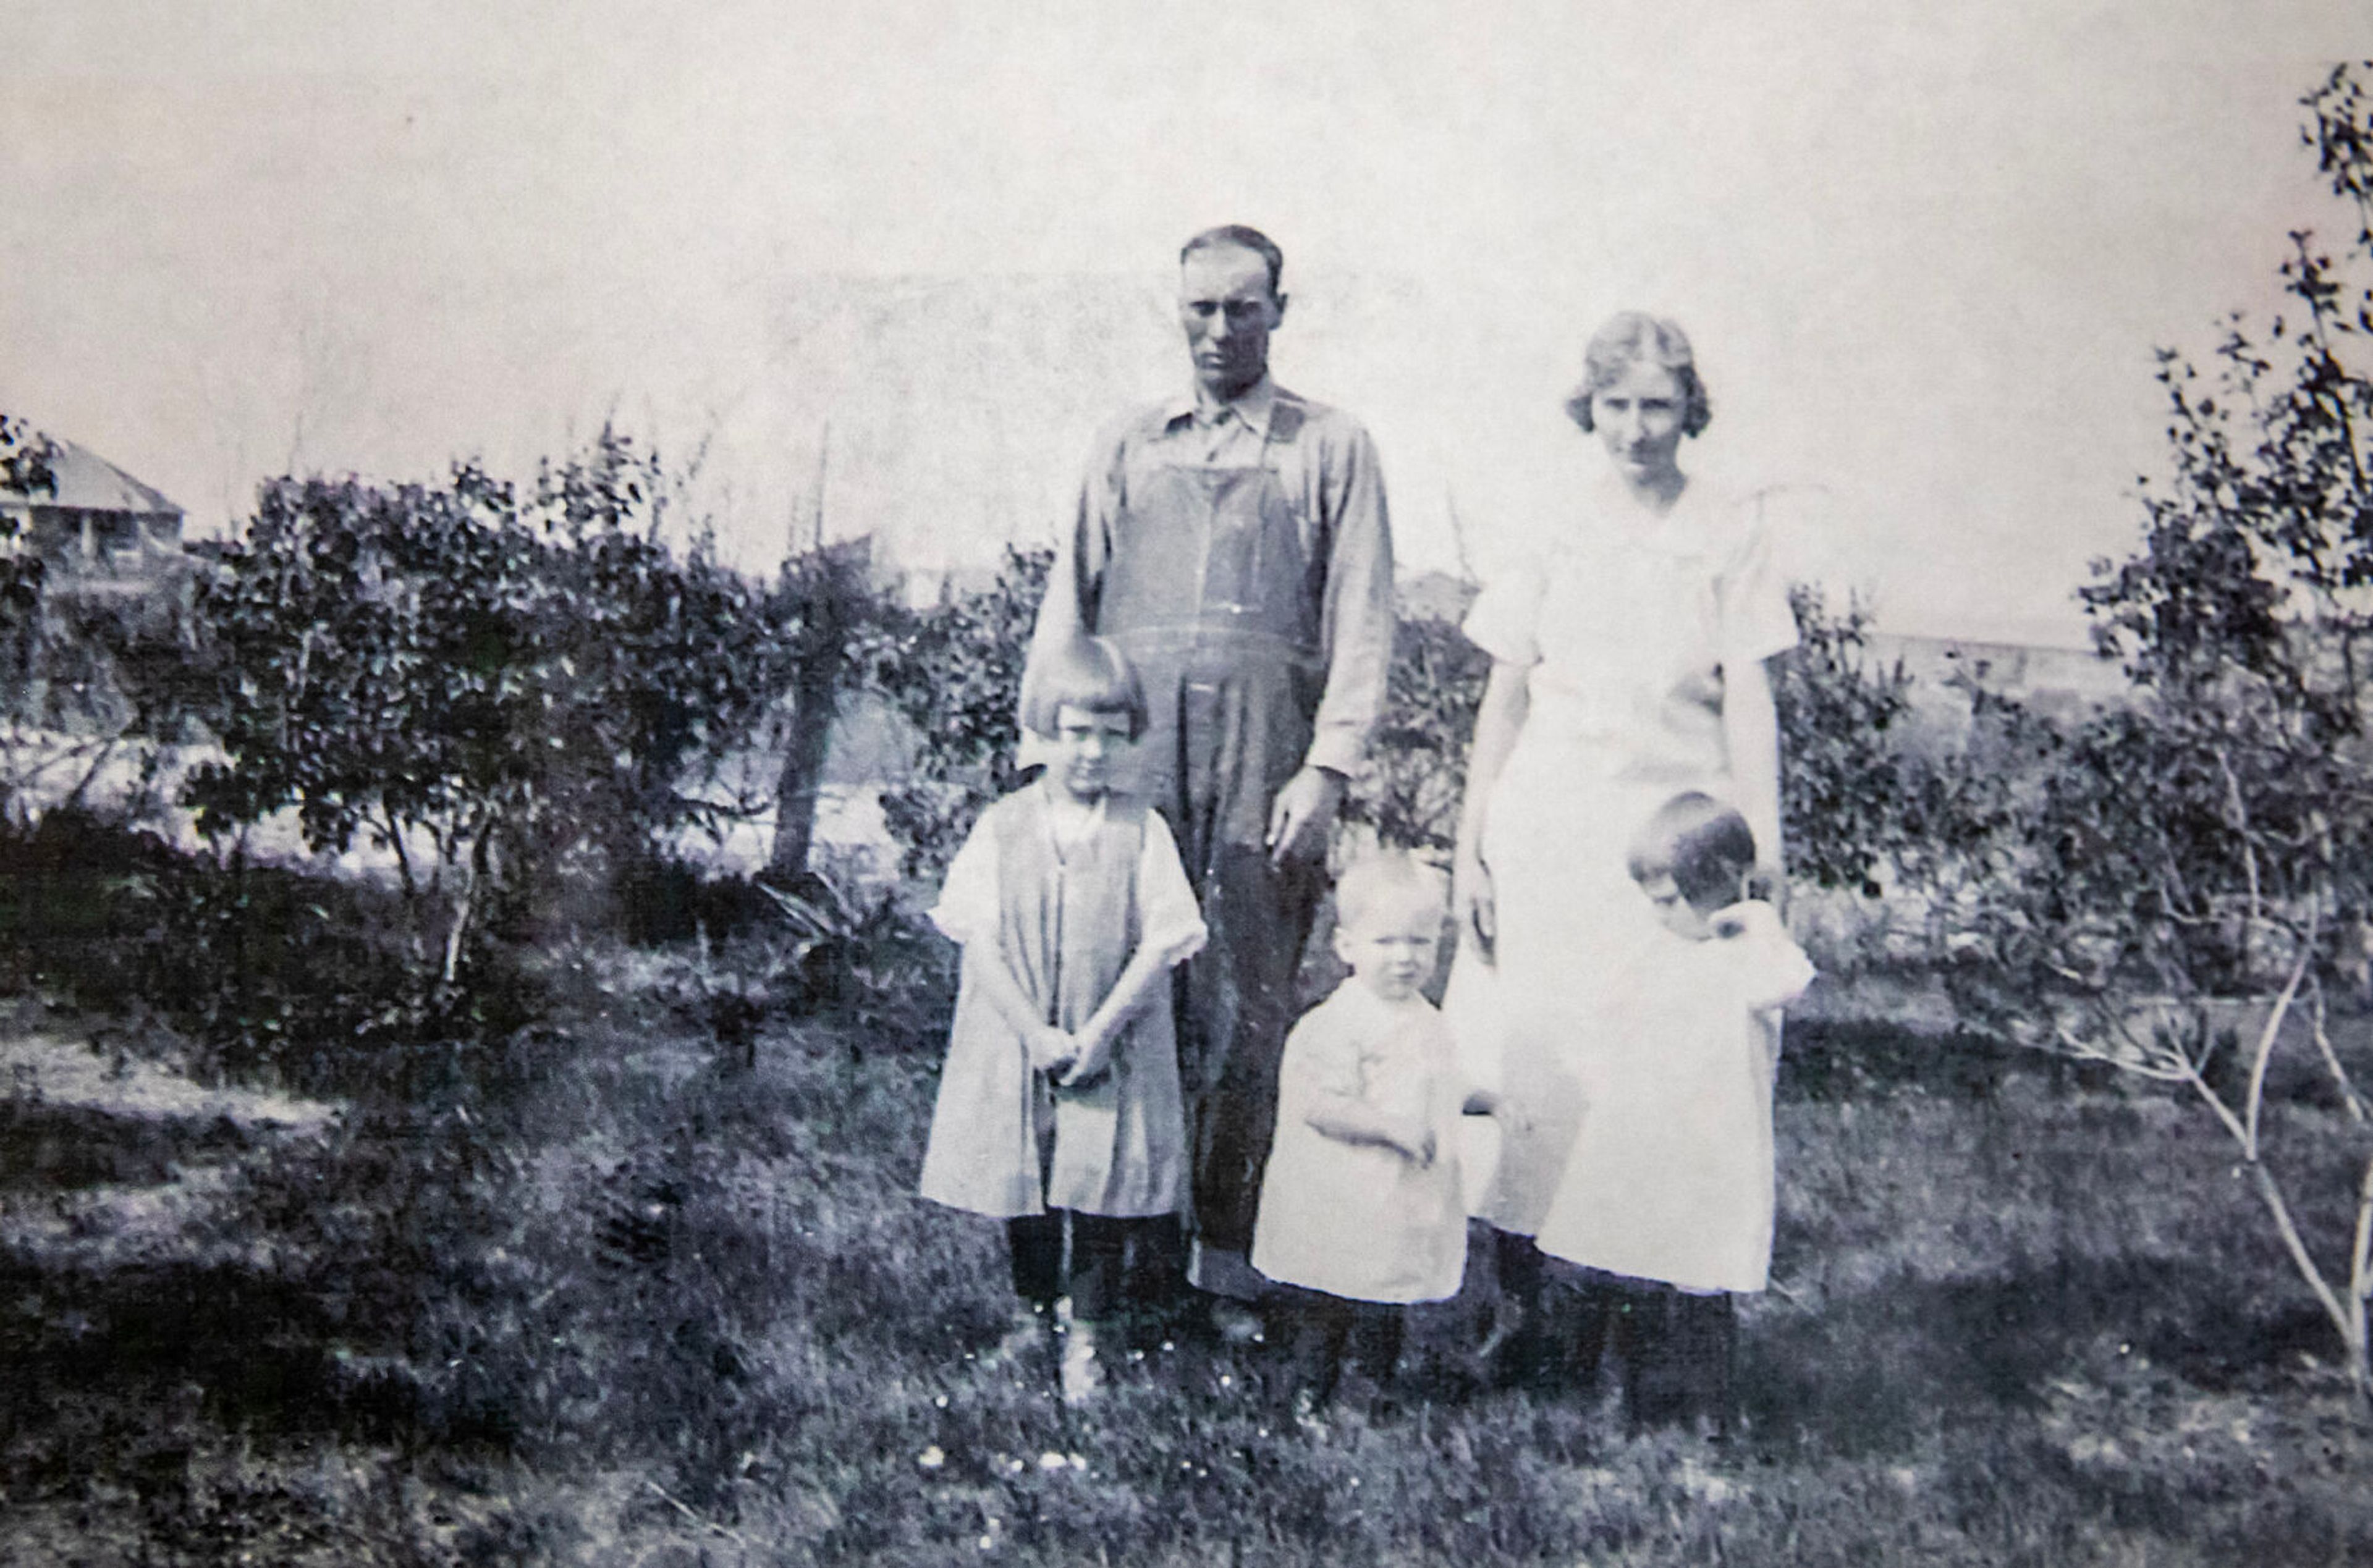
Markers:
1228,311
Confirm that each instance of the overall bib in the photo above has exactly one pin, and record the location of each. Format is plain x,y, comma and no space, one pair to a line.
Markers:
1213,593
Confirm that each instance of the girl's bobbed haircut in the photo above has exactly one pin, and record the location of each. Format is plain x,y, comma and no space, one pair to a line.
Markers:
1703,845
1090,673
1387,877
1631,338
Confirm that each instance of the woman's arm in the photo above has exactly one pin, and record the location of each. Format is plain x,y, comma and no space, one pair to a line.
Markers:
1506,701
1751,728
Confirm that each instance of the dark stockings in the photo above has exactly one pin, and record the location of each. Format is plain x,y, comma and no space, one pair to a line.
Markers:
1330,1333
1099,1247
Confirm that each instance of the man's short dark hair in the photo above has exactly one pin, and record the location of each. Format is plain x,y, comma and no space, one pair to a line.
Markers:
1244,239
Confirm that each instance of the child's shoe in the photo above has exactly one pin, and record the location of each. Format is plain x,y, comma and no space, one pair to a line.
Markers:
1024,1340
1233,1323
1081,1376
1508,1321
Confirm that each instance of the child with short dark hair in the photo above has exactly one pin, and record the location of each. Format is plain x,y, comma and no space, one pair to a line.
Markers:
1669,1188
1362,1210
1059,1109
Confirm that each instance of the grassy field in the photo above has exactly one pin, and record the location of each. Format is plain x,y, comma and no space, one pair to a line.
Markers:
597,1297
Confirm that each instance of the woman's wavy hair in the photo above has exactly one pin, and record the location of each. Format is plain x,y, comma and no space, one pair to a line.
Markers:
1630,338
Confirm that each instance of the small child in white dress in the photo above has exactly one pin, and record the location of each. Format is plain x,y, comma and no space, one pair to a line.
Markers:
1669,1188
1362,1211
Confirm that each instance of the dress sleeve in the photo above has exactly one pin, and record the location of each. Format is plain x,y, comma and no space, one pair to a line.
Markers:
1757,619
1319,1064
967,908
1752,599
1172,921
1504,620
1774,969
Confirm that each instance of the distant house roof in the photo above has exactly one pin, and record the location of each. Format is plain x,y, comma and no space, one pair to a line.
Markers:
88,482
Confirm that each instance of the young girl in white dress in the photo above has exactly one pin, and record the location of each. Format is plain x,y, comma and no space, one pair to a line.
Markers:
1058,1109
1628,664
1362,1211
1667,1199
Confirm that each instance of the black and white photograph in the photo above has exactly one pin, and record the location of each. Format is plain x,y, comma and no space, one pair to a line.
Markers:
798,782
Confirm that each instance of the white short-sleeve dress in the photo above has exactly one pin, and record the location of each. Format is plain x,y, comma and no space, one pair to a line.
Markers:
1624,628
1359,1220
1671,1176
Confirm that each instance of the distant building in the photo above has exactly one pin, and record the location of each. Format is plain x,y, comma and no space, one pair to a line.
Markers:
101,529
2057,681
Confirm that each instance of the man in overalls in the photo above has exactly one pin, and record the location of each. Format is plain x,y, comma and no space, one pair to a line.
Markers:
1233,542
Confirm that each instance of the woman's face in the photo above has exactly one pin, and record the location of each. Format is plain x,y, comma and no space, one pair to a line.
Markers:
1639,417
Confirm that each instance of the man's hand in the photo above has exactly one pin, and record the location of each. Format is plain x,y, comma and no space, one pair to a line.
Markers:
1304,811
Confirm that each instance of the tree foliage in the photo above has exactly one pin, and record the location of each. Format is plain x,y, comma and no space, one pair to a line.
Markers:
1415,777
26,456
501,690
953,671
2204,853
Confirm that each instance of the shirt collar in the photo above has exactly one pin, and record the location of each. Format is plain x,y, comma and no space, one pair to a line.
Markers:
1252,406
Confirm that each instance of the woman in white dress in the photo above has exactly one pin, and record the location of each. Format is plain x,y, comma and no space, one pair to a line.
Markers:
1627,665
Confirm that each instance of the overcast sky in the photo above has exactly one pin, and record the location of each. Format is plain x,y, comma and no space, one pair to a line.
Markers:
1925,251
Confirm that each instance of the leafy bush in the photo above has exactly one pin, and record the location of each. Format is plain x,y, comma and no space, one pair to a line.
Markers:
1855,799
2163,878
953,671
1414,776
1871,802
268,972
502,693
25,471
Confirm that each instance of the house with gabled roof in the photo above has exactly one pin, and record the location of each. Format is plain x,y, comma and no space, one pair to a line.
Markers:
100,528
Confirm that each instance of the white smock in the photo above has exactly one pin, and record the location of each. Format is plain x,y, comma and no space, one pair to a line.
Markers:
1671,1174
1624,631
1361,1220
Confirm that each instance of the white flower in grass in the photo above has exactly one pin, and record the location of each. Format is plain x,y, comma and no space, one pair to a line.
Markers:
932,1457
